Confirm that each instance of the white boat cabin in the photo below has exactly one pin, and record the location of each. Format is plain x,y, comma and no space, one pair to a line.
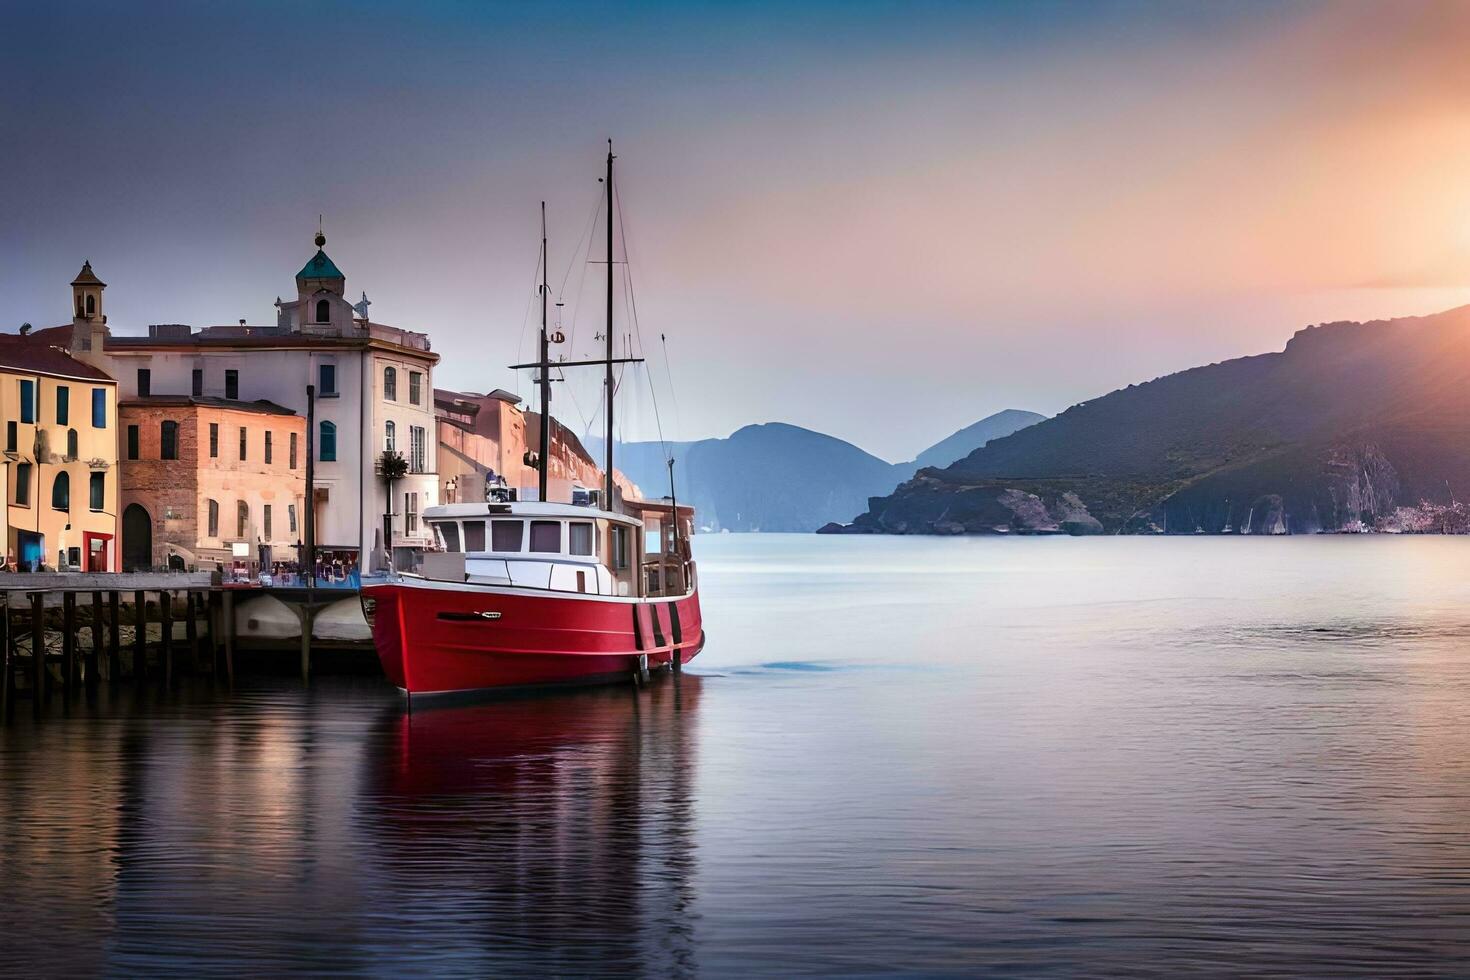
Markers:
562,547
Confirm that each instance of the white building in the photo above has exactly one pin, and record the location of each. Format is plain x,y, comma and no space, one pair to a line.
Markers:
374,389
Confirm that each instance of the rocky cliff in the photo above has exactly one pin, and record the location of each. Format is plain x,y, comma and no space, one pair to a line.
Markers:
1343,429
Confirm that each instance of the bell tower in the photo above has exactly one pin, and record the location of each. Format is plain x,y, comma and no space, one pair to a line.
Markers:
88,322
320,288
86,295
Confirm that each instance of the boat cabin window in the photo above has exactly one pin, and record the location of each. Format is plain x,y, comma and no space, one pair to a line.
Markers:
619,547
546,537
579,538
505,535
448,535
653,537
474,535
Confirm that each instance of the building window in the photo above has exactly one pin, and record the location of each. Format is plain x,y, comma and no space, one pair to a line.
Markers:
243,444
28,402
327,451
410,513
323,311
61,492
327,375
213,440
91,305
198,382
390,384
242,518
546,536
214,518
96,491
63,404
169,440
23,484
232,384
132,442
415,384
99,408
265,520
12,436
293,450
416,449
145,382
390,435
267,446
71,444
291,517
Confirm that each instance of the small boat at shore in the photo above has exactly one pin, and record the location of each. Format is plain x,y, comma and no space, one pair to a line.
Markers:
534,593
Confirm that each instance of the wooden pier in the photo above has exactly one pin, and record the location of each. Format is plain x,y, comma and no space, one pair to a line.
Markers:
72,632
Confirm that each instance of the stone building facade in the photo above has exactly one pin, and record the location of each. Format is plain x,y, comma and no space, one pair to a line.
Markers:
210,482
364,376
487,437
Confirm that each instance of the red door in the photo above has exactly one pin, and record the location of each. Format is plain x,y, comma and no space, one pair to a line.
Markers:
97,546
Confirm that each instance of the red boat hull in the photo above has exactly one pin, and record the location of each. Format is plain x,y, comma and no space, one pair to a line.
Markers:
434,638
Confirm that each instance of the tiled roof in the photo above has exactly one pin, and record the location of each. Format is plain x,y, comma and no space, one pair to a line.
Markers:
18,353
87,277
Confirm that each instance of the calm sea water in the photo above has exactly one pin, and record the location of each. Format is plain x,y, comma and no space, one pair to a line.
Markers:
941,757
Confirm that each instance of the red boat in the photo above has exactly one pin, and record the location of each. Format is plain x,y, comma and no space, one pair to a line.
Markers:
535,594
528,594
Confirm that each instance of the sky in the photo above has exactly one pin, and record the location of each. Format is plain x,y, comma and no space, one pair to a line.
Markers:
878,220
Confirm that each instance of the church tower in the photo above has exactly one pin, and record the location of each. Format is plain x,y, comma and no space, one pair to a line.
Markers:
89,323
86,295
320,287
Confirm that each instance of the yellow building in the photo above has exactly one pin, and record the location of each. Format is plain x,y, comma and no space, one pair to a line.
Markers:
60,455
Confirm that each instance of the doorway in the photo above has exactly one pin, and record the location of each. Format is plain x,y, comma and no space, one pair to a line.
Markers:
137,535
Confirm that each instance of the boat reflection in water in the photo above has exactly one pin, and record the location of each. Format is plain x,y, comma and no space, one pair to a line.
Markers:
547,834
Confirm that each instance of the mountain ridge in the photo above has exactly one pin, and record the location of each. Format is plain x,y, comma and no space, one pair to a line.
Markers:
776,476
1348,424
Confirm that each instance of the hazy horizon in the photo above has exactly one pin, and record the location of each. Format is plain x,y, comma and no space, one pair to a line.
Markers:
879,221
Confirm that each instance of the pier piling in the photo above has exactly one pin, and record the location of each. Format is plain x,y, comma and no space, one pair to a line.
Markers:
40,680
191,629
94,658
7,661
114,639
68,644
228,627
166,624
140,636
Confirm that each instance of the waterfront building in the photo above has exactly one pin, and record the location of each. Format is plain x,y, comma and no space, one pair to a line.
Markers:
373,388
211,483
60,468
489,439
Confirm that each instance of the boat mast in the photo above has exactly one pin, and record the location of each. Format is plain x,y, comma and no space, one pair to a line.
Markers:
607,503
545,374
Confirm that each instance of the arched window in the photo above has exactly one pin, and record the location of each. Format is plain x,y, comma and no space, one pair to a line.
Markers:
81,309
91,305
242,518
323,311
327,450
390,436
214,518
61,492
71,443
390,384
